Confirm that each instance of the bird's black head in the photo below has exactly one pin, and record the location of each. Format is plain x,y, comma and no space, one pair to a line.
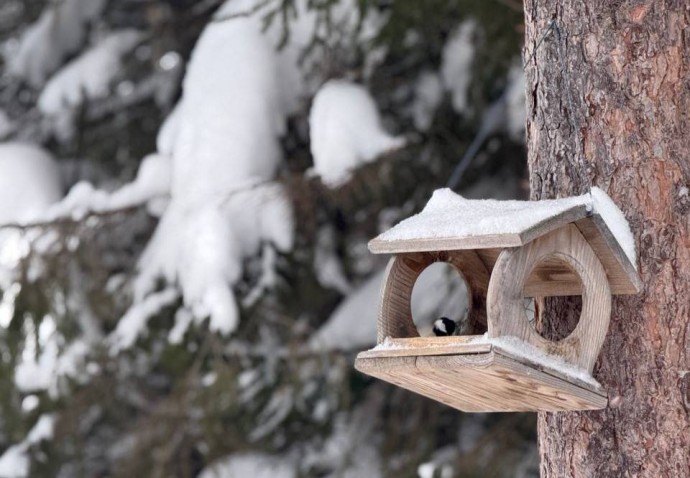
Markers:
444,327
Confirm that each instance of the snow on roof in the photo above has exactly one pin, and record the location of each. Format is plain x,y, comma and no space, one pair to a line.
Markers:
477,223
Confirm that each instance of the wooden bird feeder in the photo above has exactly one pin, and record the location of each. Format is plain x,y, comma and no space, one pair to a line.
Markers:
506,251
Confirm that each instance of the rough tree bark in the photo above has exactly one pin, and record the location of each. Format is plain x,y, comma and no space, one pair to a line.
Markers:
629,68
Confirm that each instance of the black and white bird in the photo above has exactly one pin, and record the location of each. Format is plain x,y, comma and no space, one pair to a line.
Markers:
444,327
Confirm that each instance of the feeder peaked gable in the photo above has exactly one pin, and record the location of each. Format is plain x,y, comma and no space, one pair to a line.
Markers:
450,222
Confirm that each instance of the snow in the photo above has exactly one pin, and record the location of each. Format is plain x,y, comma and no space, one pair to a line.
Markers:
350,451
6,124
336,27
428,93
183,319
251,464
88,76
273,414
14,248
44,373
616,221
529,352
169,60
35,202
516,109
167,134
441,464
346,131
203,250
30,403
456,64
10,292
448,214
224,150
388,344
217,149
223,138
353,323
57,33
151,186
133,323
327,266
14,463
29,182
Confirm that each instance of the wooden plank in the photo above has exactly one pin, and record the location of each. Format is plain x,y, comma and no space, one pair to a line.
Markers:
548,370
555,222
416,346
551,277
378,246
484,382
489,256
622,275
506,385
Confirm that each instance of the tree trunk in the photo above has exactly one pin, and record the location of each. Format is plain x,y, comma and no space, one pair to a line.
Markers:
627,65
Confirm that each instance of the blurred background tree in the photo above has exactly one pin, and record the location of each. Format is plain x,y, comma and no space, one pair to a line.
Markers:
223,344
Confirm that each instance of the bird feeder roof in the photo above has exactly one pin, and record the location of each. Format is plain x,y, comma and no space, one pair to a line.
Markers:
451,222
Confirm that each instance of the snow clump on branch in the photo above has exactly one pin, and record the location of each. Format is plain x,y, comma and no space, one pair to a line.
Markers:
224,150
57,33
346,131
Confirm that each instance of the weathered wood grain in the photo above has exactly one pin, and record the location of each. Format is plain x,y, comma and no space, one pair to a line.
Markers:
395,314
622,275
504,302
493,381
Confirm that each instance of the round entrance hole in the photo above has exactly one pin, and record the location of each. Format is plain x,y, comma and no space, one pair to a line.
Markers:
439,291
553,299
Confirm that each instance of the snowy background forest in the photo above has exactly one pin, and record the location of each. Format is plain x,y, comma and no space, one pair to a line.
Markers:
187,189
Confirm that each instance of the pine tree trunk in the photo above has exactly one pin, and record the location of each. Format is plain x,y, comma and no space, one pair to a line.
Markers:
628,64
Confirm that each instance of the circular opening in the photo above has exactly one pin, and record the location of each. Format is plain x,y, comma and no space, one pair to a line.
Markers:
553,298
439,291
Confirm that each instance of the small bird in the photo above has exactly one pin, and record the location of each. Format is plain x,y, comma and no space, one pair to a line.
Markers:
444,327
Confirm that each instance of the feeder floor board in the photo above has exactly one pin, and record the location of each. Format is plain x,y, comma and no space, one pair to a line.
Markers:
479,377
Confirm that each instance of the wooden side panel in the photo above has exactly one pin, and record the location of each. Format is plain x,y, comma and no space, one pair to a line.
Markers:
504,304
395,315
